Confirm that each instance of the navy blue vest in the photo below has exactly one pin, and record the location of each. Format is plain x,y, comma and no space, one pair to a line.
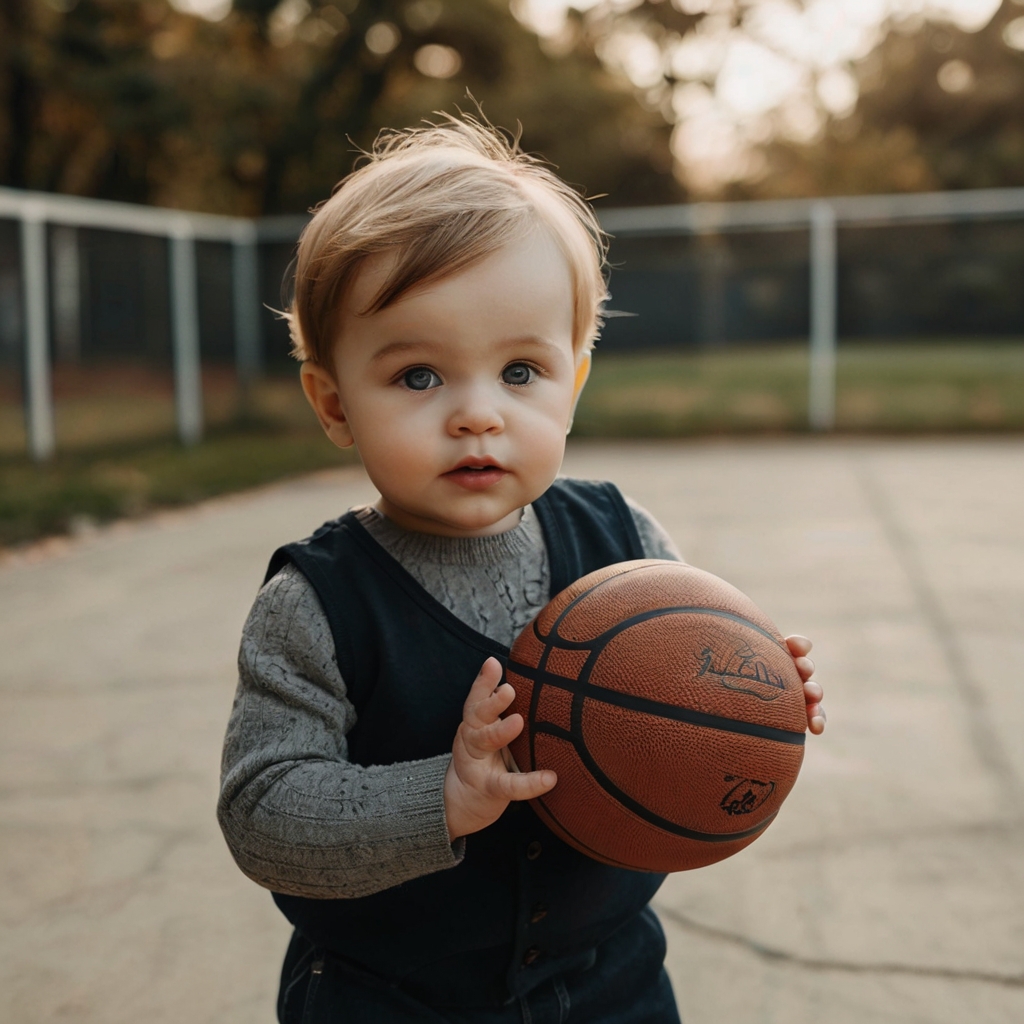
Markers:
523,905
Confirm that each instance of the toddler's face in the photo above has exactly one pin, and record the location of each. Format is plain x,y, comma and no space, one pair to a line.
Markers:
459,395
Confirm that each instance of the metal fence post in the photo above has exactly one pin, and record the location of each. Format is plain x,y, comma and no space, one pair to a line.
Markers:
246,302
66,292
188,384
35,288
821,396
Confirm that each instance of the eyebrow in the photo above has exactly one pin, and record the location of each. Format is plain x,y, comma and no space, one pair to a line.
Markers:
530,339
403,346
397,347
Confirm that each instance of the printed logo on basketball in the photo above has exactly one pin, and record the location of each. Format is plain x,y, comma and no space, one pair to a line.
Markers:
746,795
742,671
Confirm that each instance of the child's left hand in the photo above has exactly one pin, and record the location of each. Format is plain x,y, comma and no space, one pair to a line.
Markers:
800,647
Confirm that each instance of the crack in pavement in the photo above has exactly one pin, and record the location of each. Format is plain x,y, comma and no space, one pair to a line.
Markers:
985,740
842,966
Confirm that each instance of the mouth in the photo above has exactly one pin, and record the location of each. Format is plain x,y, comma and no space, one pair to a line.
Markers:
476,473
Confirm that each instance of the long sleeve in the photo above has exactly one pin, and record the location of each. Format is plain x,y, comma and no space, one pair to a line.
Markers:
299,817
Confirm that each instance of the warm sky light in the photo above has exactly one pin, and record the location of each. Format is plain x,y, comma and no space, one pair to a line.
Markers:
777,73
212,9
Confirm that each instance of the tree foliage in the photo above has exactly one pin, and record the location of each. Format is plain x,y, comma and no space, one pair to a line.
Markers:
262,112
938,108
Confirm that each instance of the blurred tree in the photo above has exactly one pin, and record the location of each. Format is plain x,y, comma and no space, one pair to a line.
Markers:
134,99
18,91
85,109
938,108
352,66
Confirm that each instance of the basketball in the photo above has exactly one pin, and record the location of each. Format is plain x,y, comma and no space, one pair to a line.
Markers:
669,706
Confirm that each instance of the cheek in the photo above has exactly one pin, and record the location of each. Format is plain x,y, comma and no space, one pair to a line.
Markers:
392,436
554,407
544,426
384,412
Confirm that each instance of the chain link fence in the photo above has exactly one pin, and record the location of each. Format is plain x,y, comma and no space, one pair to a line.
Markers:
121,323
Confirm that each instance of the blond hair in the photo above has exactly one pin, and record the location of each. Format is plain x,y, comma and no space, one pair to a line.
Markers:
441,197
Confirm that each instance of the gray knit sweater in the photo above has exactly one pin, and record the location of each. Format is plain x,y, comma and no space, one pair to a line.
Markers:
299,817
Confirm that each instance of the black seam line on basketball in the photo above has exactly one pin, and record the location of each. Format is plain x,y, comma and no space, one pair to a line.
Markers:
602,639
534,704
597,855
656,708
649,816
535,698
579,742
550,729
576,600
844,966
645,813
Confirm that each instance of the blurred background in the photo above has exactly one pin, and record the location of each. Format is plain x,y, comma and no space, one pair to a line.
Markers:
812,375
123,328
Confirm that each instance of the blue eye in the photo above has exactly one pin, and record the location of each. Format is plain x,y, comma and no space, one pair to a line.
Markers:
517,374
421,379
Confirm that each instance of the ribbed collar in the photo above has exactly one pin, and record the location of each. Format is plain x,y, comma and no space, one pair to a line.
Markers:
409,546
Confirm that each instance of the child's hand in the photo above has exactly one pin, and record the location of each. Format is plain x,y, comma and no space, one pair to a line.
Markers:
800,647
478,786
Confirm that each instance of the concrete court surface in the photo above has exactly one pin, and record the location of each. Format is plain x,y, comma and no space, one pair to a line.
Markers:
890,889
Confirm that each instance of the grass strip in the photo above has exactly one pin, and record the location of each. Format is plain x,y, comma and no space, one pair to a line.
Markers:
95,487
880,387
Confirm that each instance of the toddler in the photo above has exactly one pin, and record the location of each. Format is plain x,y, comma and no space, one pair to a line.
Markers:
446,300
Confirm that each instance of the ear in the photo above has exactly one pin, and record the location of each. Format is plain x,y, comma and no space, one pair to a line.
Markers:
582,373
322,394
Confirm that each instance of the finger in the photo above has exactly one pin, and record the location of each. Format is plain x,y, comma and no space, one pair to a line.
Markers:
813,692
488,710
805,667
528,786
484,684
486,699
484,741
816,719
487,679
799,646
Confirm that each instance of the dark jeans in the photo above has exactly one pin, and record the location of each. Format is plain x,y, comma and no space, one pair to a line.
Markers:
626,985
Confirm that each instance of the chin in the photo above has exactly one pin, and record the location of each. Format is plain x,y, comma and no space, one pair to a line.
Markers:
481,520
478,524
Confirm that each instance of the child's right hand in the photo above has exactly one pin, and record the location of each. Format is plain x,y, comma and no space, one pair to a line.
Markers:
478,785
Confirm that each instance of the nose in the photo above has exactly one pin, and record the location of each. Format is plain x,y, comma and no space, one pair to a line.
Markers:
475,411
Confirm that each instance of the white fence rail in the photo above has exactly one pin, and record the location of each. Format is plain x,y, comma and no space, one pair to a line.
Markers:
37,211
822,218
